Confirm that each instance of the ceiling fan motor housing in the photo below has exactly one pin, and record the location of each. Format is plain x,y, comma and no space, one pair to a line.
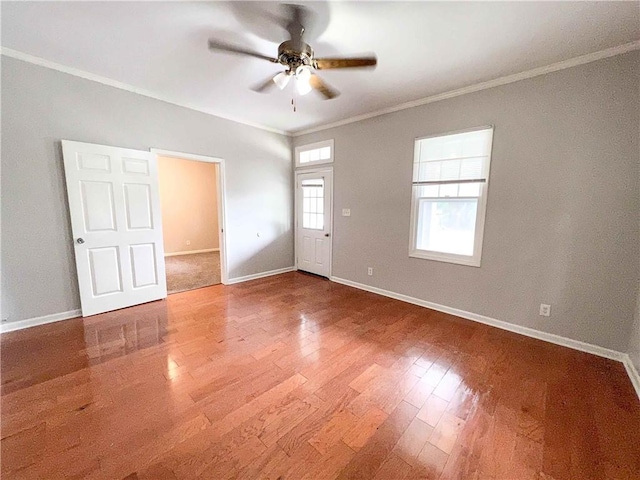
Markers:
295,56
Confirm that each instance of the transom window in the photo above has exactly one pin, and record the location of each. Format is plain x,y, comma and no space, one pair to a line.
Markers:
450,181
313,204
315,153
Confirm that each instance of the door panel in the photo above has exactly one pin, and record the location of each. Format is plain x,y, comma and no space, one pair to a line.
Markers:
136,166
319,251
143,265
98,206
89,161
114,203
137,199
313,222
106,274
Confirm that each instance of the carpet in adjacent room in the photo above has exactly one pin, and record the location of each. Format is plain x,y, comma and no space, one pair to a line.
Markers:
188,272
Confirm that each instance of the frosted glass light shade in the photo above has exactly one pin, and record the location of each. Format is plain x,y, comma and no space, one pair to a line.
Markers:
281,80
303,77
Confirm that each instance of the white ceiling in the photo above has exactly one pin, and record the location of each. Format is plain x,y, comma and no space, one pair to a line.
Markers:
423,48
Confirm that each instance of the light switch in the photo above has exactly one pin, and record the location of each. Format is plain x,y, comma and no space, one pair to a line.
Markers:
346,212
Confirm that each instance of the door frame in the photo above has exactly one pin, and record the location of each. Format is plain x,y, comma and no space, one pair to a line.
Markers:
317,170
222,222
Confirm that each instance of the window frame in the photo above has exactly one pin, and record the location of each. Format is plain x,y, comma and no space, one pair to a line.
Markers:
303,198
474,260
314,146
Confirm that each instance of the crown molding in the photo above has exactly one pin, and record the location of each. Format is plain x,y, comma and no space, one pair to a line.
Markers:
25,57
554,67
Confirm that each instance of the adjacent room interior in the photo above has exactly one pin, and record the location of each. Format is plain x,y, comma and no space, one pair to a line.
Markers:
336,240
189,204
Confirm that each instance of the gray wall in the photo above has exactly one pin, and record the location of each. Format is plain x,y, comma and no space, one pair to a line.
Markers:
561,225
634,338
42,106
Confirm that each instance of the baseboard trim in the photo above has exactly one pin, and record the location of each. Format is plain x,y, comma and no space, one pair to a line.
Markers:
634,376
191,252
34,322
529,332
255,276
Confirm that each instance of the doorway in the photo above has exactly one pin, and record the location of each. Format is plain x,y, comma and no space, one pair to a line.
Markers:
116,223
191,197
314,217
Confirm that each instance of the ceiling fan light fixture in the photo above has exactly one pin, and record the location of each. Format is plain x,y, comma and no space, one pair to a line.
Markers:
303,79
297,57
281,80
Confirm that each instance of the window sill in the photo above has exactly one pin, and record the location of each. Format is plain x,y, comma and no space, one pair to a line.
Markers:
446,257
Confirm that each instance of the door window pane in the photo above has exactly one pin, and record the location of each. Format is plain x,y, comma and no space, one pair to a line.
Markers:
313,204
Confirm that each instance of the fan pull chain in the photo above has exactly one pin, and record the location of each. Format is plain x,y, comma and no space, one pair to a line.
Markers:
293,102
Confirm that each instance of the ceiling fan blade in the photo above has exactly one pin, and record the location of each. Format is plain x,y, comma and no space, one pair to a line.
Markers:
226,47
326,63
317,83
265,86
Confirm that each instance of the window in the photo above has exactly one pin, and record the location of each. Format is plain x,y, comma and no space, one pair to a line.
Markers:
313,204
450,180
316,153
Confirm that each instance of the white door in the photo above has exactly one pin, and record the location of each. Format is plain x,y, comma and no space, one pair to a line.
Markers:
117,229
313,222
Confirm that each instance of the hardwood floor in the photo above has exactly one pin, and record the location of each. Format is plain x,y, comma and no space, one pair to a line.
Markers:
294,377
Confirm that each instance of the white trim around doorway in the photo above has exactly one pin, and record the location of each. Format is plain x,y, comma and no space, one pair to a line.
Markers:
222,227
318,170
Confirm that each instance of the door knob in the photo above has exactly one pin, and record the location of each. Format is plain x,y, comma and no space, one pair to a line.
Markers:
327,234
80,241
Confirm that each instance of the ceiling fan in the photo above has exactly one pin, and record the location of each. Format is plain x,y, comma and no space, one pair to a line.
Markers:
299,59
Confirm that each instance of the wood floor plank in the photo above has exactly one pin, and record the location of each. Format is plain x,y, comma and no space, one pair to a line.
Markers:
393,468
365,428
445,433
299,435
419,394
291,377
235,418
413,440
432,410
330,463
430,463
368,460
333,431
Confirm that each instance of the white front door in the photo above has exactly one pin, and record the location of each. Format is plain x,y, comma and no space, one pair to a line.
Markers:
117,229
313,222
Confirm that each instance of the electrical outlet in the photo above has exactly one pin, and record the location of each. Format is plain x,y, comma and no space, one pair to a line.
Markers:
346,212
370,271
188,242
545,310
